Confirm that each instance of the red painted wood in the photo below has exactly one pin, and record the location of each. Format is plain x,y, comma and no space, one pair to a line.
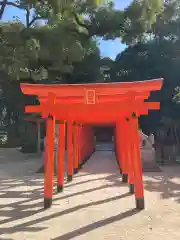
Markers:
49,159
61,154
137,163
96,114
70,147
129,152
79,90
75,137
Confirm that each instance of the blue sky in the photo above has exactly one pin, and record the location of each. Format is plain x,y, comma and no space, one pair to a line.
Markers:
108,48
112,48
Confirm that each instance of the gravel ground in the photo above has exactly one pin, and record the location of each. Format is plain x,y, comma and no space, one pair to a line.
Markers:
95,205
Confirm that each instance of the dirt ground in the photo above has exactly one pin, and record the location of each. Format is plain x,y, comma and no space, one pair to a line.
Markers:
95,205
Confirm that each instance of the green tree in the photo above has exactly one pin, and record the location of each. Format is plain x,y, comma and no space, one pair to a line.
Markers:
66,37
154,56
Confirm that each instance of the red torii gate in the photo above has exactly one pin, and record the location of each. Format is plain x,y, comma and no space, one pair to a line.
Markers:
73,105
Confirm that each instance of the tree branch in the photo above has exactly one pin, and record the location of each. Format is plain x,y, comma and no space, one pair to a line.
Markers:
81,24
77,32
5,3
35,19
13,4
27,17
3,6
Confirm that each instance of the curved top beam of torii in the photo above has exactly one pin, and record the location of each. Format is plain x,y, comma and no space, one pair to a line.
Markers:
89,103
75,90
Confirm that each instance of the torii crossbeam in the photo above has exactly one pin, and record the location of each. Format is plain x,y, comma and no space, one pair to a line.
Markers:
77,107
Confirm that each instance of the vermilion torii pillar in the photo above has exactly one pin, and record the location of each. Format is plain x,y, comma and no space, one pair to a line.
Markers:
49,161
76,156
137,163
61,156
119,104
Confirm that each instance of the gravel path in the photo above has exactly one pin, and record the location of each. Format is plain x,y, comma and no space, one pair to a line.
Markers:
95,205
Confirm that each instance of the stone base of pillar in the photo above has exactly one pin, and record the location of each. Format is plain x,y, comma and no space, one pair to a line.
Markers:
76,170
80,165
69,178
60,188
125,178
47,203
140,203
131,188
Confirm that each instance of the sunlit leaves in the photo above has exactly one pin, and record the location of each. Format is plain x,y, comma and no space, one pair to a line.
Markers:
70,27
139,18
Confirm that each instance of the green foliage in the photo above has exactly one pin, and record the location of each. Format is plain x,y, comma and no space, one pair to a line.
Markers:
13,49
56,46
157,57
139,18
86,71
70,27
130,24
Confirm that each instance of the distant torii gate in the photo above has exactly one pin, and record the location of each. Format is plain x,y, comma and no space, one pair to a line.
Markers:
82,105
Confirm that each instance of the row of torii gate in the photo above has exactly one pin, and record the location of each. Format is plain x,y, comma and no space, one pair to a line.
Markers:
78,107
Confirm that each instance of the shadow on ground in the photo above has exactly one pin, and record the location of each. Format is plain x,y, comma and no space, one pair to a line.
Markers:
96,225
23,197
23,208
166,183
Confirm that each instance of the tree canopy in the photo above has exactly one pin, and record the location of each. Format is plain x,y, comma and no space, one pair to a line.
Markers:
66,38
156,55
